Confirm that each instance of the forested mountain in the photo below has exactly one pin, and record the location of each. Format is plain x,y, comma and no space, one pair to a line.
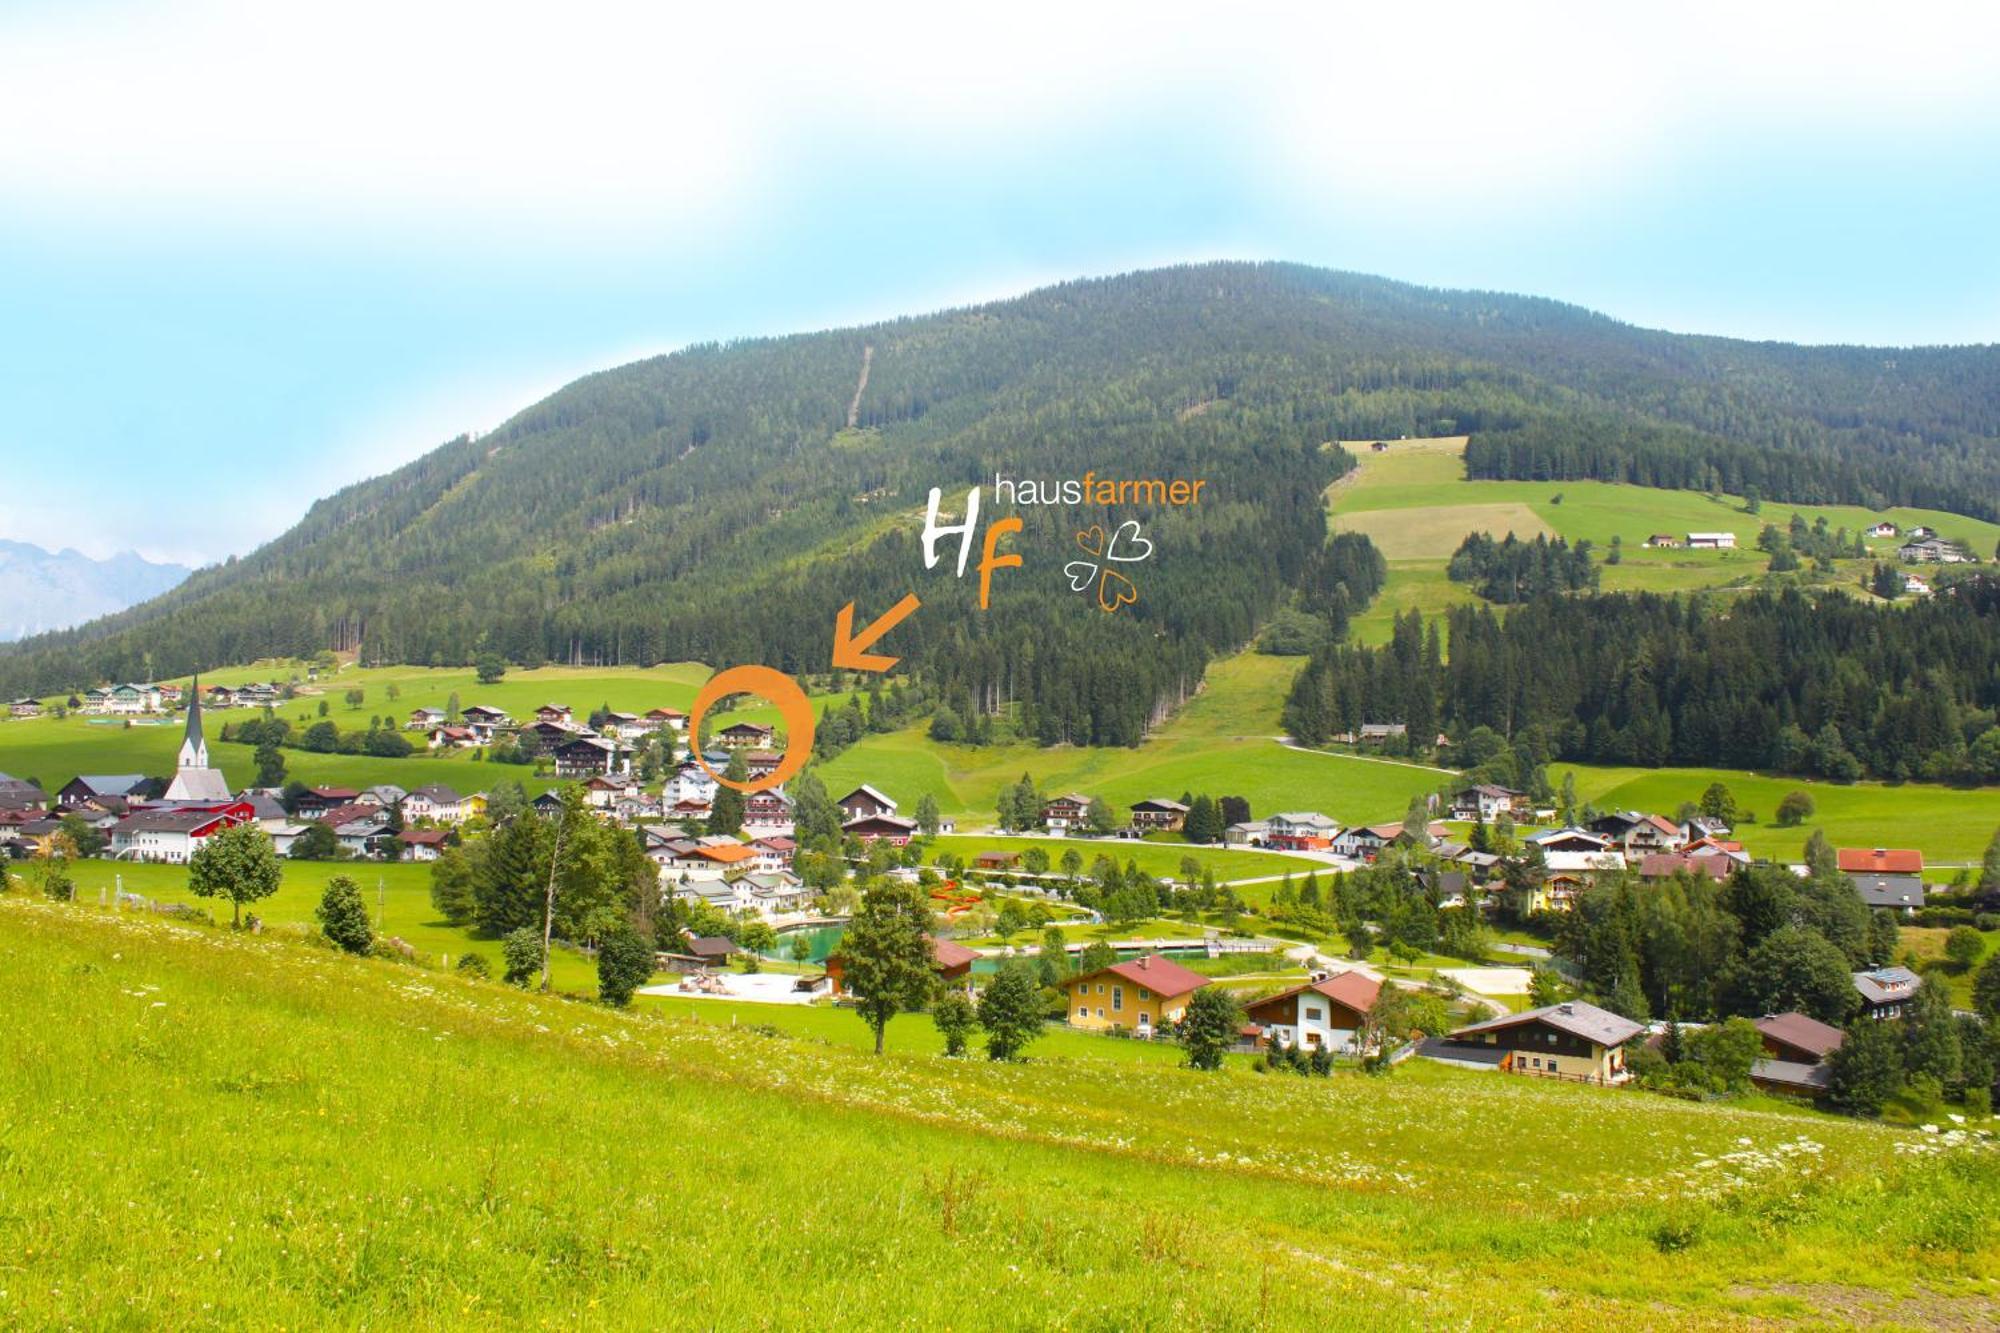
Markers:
42,590
721,502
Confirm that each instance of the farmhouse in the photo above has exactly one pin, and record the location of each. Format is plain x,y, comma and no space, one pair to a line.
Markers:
424,844
1572,1040
558,714
1140,994
671,718
423,719
768,811
25,708
745,736
1636,835
1299,830
1063,813
121,787
1884,529
1570,874
1157,812
1330,1014
316,801
864,802
171,836
1487,802
1663,541
1886,990
892,829
451,738
588,755
1711,541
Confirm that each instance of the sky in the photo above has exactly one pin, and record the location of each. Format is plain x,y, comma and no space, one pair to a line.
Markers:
250,253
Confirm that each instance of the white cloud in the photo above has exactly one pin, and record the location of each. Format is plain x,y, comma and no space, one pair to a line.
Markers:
670,118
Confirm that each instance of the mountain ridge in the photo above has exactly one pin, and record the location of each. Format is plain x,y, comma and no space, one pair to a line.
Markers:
43,590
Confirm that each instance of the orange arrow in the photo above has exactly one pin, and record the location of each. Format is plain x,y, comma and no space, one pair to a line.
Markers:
850,650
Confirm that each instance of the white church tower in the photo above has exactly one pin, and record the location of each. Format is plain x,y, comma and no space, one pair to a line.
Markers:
194,780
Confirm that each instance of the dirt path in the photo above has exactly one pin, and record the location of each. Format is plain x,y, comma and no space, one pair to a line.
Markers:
854,408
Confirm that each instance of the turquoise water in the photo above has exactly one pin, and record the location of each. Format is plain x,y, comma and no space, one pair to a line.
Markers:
825,940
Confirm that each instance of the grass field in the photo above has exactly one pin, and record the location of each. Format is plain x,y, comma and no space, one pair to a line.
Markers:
203,1128
1415,502
1951,826
1160,859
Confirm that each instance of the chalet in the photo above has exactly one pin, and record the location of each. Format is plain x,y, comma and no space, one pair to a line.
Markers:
546,737
423,719
1657,866
1794,1036
1886,990
222,696
996,860
625,726
1066,812
556,714
358,827
1572,1040
1921,532
1916,585
1711,541
1377,733
672,719
21,794
585,756
97,786
548,805
38,836
768,811
1569,840
1299,831
170,695
168,836
1158,813
1446,888
723,858
1484,802
25,708
774,852
689,811
1933,550
711,950
451,738
634,805
951,961
1636,835
604,793
425,844
1362,844
761,763
1724,848
384,794
1663,541
863,802
316,801
690,783
266,809
1139,994
745,736
1884,529
97,700
1570,874
775,893
892,829
484,722
1330,1014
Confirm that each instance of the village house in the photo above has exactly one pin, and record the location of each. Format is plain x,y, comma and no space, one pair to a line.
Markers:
425,844
1657,866
555,714
1570,874
1933,550
1886,990
1663,541
1063,813
451,738
1711,541
996,861
624,726
1796,1054
951,961
1891,877
1380,733
1329,1014
21,794
1299,831
484,722
25,708
423,719
864,802
384,794
360,827
1484,803
774,852
170,837
1572,1040
1249,833
222,696
1636,835
1140,995
1916,585
767,811
1884,529
670,718
745,736
604,793
691,783
892,829
776,893
761,763
124,787
1158,813
129,700
586,756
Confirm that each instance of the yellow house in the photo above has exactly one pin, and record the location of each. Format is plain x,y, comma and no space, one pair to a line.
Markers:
1140,995
473,806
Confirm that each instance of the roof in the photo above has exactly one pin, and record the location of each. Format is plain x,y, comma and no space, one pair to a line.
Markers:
777,842
760,728
1711,536
171,821
111,784
949,954
437,794
1661,865
1356,990
1807,1034
1890,890
425,837
1069,798
896,822
1881,860
1464,1053
1576,1017
1159,803
665,712
1155,972
1886,985
865,790
1792,1074
1305,819
728,853
711,946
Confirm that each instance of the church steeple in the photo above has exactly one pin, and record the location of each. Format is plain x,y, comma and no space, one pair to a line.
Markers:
194,746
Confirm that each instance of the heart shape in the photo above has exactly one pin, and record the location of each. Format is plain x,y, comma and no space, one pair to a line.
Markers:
1095,531
1117,588
1128,532
1080,572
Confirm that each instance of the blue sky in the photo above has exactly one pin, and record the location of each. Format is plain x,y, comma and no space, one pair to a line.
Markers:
249,256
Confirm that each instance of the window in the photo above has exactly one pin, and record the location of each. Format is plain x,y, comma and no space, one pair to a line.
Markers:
1145,994
1117,999
1314,1013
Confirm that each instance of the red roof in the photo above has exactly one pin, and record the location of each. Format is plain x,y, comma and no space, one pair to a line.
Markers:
1355,990
1662,865
950,954
1806,1034
1881,861
1155,972
424,837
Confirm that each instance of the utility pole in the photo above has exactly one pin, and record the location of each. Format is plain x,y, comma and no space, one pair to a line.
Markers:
549,904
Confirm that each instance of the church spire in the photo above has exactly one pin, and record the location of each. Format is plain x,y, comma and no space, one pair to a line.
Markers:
194,746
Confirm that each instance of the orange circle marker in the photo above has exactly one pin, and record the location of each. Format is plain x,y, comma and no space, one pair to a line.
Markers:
792,705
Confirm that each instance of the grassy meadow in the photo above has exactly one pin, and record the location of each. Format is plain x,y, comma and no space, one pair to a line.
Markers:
204,1128
1415,503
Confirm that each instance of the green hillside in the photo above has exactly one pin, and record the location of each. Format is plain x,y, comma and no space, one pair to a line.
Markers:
216,1129
1416,503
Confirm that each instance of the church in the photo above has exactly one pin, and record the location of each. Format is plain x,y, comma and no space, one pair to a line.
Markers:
194,780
